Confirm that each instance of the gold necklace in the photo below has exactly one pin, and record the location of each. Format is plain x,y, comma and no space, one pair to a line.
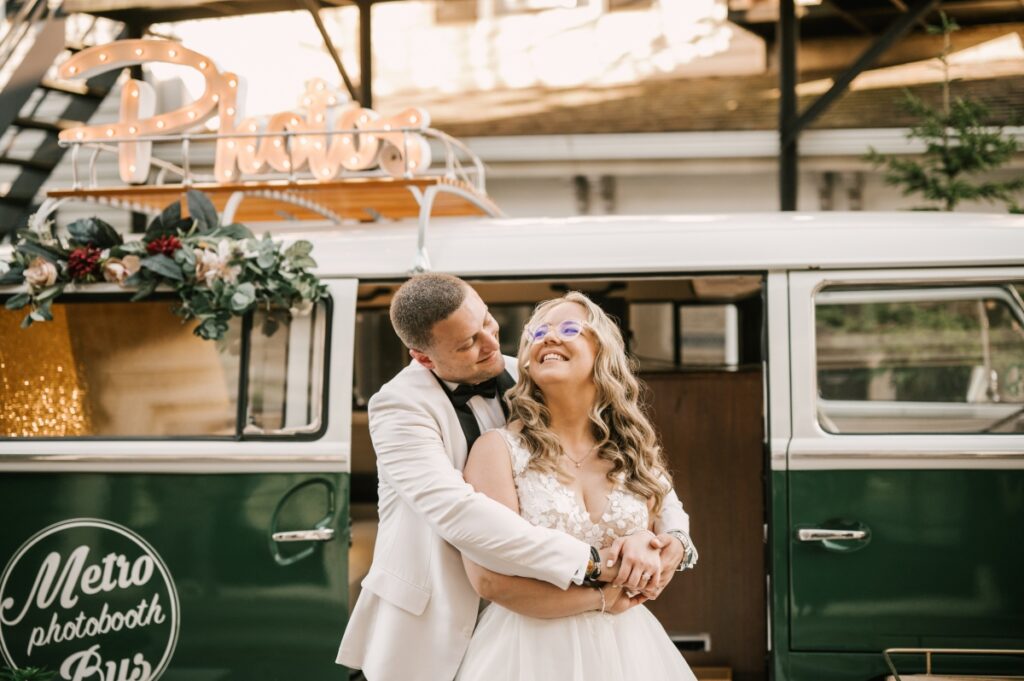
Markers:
579,463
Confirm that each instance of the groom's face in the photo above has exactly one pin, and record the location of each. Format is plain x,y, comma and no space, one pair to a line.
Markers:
465,347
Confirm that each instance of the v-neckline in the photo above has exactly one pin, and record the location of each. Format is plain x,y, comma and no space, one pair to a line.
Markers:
581,503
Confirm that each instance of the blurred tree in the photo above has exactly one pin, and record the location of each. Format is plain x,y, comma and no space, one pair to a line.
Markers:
959,143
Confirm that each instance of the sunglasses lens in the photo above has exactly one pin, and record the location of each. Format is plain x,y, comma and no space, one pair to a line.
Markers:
569,329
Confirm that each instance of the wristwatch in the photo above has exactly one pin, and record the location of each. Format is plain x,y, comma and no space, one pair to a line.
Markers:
593,567
689,550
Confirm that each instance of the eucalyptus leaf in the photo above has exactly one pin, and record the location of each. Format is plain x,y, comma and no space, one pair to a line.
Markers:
132,248
303,261
145,289
27,321
36,249
42,313
164,266
186,257
266,259
298,249
15,275
17,302
202,209
50,292
240,302
235,231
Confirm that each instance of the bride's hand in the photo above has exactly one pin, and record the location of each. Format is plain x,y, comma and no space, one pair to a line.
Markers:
640,568
617,601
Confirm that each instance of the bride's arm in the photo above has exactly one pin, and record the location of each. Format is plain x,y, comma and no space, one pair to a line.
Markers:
489,470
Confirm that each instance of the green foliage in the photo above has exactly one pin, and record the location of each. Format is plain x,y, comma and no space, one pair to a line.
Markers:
218,271
27,674
960,143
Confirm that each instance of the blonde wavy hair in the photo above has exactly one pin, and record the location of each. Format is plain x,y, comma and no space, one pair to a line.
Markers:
623,432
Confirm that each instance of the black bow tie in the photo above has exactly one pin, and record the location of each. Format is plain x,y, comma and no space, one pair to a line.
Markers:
463,393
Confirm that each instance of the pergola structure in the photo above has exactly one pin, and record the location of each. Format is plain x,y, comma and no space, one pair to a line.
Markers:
138,15
880,24
779,22
884,21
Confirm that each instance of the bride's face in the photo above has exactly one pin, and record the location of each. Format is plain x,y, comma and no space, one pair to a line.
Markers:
559,357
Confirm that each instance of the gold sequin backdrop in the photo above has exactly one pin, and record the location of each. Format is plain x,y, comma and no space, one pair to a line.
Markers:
115,369
41,391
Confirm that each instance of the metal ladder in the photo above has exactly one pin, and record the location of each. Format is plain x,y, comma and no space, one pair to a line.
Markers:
35,107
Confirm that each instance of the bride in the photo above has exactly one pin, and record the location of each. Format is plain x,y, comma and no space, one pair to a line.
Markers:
578,455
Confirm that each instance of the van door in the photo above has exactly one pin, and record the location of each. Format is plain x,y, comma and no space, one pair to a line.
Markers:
906,466
174,505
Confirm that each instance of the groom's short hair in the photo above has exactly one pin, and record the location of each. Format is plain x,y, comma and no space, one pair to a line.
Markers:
423,301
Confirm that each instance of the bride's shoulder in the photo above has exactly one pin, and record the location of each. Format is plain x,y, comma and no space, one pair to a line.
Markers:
501,445
489,466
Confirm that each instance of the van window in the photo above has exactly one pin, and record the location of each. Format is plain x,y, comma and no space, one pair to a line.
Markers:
920,360
107,367
664,336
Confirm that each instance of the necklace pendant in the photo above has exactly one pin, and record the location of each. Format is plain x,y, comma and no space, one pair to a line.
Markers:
579,465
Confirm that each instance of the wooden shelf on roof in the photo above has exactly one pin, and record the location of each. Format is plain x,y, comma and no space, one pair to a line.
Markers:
359,198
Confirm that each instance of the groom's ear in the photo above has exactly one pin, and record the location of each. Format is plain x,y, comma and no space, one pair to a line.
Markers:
422,359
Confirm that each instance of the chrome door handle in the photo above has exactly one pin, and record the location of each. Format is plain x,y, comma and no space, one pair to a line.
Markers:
319,534
823,534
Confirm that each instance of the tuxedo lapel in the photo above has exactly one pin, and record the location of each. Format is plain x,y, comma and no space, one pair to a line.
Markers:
467,420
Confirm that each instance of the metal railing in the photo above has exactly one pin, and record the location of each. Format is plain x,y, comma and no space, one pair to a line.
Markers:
929,652
459,161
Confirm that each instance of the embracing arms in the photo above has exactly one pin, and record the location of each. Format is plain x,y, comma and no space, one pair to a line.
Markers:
412,459
489,470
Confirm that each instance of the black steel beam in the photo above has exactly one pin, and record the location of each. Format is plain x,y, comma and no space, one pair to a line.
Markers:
314,11
365,54
897,29
787,44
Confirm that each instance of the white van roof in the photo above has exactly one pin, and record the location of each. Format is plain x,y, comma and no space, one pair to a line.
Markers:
656,244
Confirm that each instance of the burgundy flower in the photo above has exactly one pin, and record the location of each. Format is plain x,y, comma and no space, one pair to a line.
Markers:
83,263
164,244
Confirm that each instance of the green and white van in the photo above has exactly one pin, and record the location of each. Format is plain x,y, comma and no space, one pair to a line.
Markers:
840,396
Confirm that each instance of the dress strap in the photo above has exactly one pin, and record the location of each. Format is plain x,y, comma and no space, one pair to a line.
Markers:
520,457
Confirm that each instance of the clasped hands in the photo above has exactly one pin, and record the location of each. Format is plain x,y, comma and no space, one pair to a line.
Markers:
637,568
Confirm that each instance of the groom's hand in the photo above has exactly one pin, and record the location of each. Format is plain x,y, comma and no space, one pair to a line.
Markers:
672,554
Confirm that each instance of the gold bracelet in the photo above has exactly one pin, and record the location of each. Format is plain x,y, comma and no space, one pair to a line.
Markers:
604,603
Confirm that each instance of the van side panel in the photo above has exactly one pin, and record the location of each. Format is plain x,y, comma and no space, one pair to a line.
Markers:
941,567
224,601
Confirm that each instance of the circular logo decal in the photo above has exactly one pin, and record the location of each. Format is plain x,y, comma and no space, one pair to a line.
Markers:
91,600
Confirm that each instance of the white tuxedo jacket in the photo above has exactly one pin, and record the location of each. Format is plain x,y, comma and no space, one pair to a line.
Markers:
417,609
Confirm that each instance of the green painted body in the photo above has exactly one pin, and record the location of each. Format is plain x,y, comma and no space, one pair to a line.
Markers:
941,568
250,609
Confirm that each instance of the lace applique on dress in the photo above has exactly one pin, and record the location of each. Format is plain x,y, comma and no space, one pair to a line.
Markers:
546,502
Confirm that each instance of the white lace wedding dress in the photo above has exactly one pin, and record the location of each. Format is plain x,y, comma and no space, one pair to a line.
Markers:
589,647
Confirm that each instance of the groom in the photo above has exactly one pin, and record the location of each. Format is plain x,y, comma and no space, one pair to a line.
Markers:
417,610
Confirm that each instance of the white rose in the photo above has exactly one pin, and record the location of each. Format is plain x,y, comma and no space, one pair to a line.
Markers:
114,270
41,273
212,265
302,308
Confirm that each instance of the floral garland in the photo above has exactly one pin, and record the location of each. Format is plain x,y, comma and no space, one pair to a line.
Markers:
218,271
